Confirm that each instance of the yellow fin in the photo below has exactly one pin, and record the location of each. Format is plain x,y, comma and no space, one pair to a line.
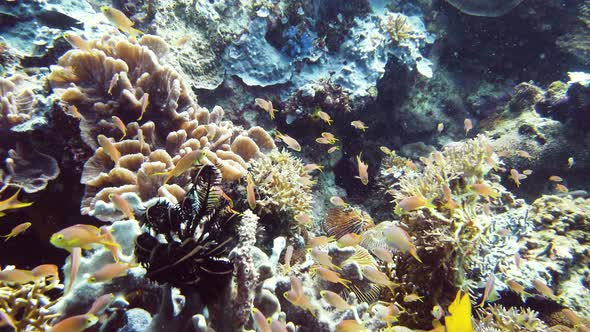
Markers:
460,318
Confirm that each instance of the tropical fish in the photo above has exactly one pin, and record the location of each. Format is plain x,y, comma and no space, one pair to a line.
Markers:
184,164
308,168
572,317
413,298
350,240
383,254
109,271
123,205
516,177
75,261
570,162
323,140
485,190
77,41
561,188
76,323
386,150
324,116
440,127
323,258
468,125
359,125
250,193
287,258
109,148
377,277
349,325
62,75
145,101
330,137
120,20
333,149
523,154
17,276
363,170
320,241
338,201
182,40
79,235
334,300
12,203
114,249
516,287
415,203
398,238
488,289
460,318
46,271
297,297
555,178
266,106
331,276
527,172
18,229
73,111
113,83
276,325
543,289
290,141
260,320
448,199
437,312
101,303
302,218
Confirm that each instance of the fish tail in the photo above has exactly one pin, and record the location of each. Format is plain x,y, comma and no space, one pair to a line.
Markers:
134,32
169,175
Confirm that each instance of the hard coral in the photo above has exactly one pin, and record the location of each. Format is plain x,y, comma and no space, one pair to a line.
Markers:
512,319
282,183
17,100
28,304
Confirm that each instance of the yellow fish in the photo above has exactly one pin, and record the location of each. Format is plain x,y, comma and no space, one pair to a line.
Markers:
363,170
109,148
108,272
460,318
12,203
290,141
77,41
250,193
81,236
120,20
123,205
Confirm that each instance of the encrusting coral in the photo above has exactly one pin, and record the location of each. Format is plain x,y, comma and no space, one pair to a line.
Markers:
118,80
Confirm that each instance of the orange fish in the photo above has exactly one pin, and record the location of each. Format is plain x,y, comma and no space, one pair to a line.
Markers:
120,125
184,164
113,83
290,141
320,241
415,203
338,201
516,177
523,154
333,149
123,205
182,40
77,323
260,321
363,170
266,106
288,256
250,194
543,289
331,276
323,258
334,300
18,229
377,277
485,190
468,126
350,240
398,238
302,218
555,178
561,188
309,168
144,104
108,272
109,148
101,303
77,41
359,125
325,117
516,287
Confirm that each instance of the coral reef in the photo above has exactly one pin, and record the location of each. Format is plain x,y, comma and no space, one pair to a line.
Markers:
283,184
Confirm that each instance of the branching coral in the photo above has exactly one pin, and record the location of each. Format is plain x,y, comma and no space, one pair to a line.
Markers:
397,26
27,304
512,319
282,183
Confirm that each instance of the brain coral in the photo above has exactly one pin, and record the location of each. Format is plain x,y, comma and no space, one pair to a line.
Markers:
121,78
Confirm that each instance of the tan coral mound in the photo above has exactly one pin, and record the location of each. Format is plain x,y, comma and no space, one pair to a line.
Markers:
282,183
124,78
17,100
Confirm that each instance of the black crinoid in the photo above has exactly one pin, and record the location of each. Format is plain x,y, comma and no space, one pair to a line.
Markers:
199,233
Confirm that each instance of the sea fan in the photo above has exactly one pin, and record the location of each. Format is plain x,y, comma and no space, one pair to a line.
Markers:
199,234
